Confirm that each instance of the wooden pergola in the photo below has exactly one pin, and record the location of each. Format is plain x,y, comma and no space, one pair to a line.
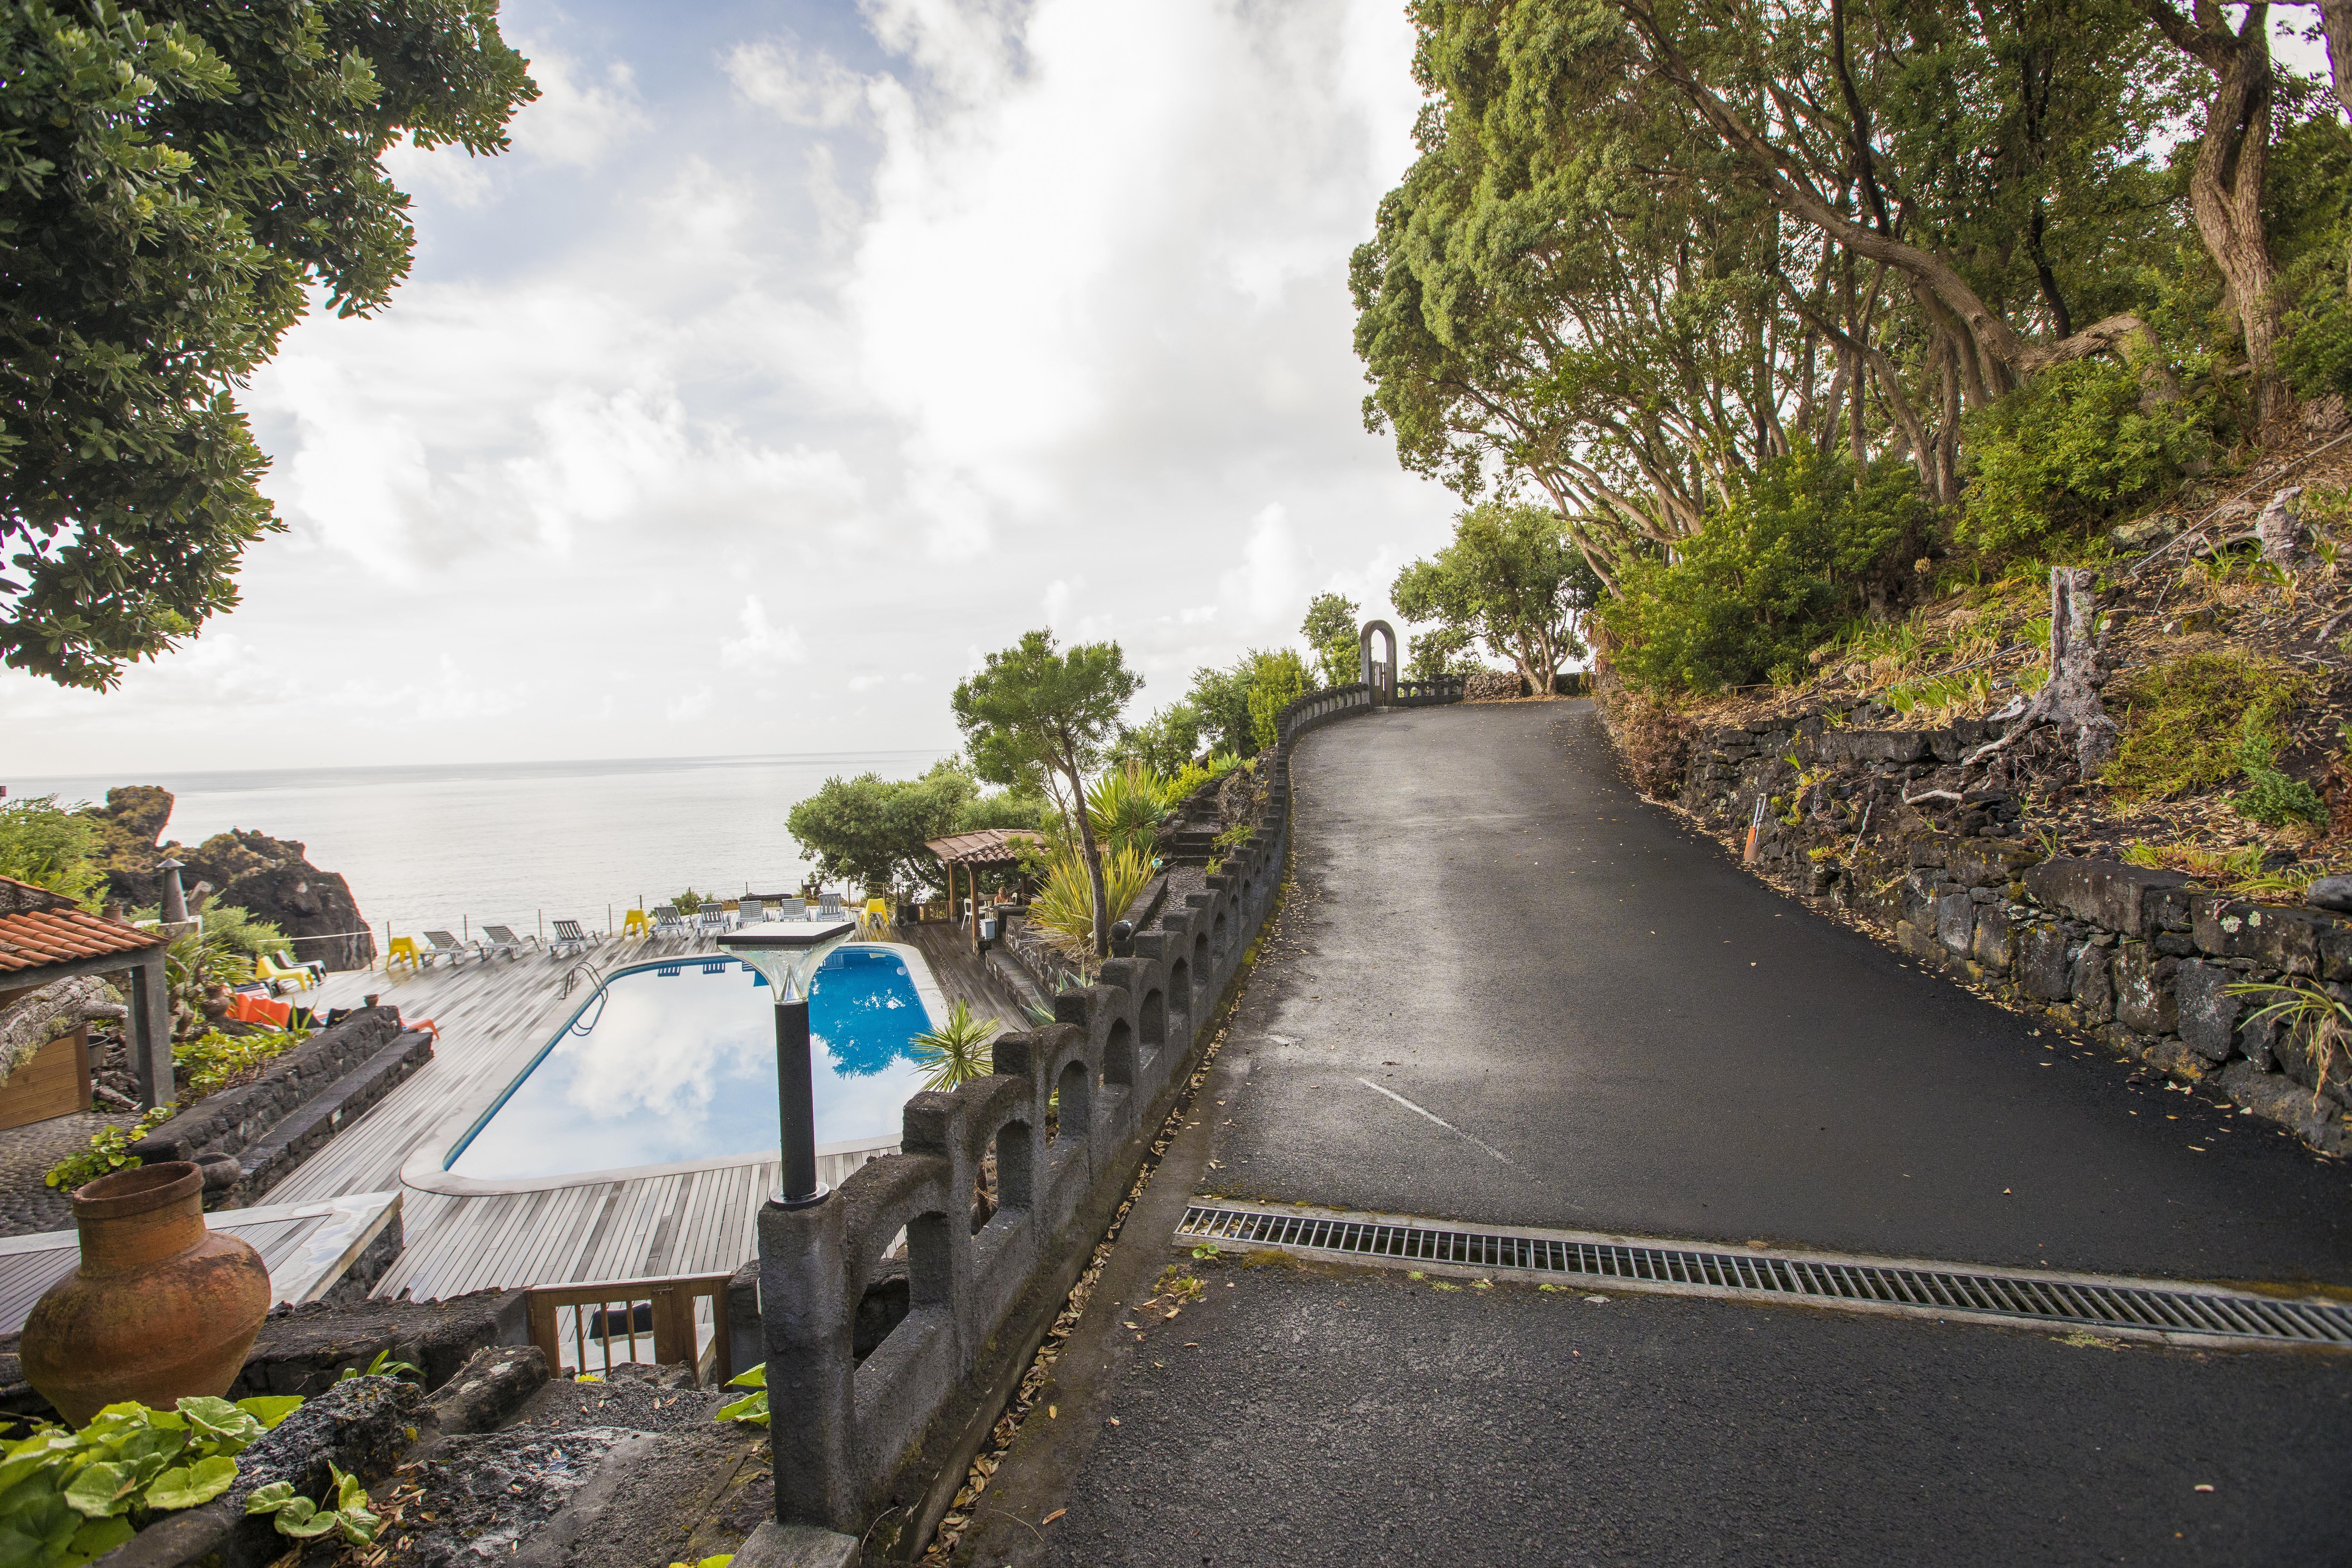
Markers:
986,849
44,938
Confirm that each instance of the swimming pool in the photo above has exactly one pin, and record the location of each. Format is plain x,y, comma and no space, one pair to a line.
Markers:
675,1062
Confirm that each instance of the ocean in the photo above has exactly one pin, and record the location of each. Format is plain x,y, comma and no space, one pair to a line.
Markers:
458,845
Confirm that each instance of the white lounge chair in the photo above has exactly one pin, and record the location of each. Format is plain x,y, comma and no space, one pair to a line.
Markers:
446,946
751,911
791,909
568,937
668,923
828,906
712,920
502,940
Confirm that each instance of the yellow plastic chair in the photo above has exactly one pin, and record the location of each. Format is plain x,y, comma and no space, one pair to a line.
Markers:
874,920
634,920
269,971
403,950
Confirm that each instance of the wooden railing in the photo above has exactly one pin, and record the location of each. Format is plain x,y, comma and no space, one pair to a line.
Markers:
596,1328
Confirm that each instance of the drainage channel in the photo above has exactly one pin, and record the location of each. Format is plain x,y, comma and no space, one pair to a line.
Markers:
2139,1309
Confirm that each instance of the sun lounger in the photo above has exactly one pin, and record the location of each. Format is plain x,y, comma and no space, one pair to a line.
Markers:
449,947
712,920
668,923
502,940
569,937
753,911
828,906
276,970
791,909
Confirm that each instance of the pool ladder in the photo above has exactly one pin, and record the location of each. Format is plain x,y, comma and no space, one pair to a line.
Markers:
584,1023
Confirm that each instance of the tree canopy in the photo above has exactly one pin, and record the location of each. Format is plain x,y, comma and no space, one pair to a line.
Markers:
1509,579
174,181
1032,708
1334,630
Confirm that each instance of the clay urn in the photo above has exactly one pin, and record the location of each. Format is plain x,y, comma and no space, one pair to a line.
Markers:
161,1308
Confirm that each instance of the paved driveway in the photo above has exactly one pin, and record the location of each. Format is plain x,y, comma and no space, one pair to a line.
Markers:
1506,990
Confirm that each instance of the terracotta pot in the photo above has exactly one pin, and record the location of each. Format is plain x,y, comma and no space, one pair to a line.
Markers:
161,1308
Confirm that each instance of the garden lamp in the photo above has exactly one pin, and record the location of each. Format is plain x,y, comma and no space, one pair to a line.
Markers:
785,953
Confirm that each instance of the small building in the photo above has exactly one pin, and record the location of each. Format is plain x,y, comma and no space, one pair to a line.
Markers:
44,939
986,849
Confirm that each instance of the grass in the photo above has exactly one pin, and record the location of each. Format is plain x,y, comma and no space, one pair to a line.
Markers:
2184,722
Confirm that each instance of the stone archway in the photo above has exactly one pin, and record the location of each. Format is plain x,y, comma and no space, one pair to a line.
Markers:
1381,675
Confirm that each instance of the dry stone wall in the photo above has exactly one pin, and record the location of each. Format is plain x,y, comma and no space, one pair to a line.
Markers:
2137,958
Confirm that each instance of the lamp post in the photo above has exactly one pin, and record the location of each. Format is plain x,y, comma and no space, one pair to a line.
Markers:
786,953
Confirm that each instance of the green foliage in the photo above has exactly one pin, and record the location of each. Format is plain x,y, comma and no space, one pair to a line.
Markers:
2076,448
957,1051
235,930
1019,809
175,188
1440,651
1164,742
2271,797
870,831
1334,631
1776,565
1127,806
751,1410
300,1519
2321,1022
382,1366
68,1497
109,1152
690,902
1512,579
1064,907
2185,722
214,1061
51,847
1276,681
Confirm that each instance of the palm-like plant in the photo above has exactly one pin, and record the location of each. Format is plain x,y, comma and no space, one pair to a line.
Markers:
2318,1018
1125,807
957,1051
1063,909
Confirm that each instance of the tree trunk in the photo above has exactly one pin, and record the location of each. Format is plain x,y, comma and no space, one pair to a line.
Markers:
2071,699
2280,530
1094,869
2336,19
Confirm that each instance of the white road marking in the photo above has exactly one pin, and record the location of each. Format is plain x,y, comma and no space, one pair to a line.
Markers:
1417,1111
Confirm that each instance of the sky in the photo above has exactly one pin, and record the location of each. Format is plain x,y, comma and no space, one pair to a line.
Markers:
793,359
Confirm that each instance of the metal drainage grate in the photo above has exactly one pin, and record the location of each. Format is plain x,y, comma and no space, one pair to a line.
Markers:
2122,1305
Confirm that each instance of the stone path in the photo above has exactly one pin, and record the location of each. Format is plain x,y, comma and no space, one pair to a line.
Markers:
1507,990
27,1205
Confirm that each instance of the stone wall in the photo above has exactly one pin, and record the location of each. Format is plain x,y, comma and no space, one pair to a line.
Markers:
873,1425
2137,958
250,1136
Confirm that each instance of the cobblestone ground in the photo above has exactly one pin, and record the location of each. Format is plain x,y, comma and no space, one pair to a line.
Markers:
26,1203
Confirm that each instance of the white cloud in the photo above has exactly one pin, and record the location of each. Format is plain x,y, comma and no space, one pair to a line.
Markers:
763,644
801,85
691,705
577,118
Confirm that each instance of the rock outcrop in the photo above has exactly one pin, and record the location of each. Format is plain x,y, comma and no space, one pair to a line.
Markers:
269,879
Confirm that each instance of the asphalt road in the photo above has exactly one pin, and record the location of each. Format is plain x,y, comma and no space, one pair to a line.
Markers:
1627,1033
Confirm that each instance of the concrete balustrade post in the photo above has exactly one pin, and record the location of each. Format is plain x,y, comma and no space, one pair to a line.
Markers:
807,1318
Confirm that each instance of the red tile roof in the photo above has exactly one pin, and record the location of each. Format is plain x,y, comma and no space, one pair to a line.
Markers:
38,937
985,846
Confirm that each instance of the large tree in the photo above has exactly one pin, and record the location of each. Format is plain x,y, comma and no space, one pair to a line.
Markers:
1333,630
871,830
174,182
1511,578
1034,708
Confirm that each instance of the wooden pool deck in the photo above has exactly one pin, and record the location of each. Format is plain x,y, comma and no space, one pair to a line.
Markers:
493,1017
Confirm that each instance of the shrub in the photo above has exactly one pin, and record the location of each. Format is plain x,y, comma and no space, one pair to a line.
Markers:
955,1052
1065,906
1653,737
109,1152
43,843
2271,797
214,1061
2075,449
2185,722
1762,583
1277,679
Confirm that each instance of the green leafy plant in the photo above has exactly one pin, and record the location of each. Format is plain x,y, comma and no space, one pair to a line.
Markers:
1126,806
67,1497
214,1061
109,1152
753,1408
1063,910
43,843
301,1519
2271,797
957,1051
381,1367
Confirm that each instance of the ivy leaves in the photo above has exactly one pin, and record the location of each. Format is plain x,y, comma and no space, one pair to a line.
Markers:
303,1520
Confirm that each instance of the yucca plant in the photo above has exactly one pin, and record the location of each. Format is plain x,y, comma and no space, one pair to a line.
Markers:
957,1051
1063,909
1127,807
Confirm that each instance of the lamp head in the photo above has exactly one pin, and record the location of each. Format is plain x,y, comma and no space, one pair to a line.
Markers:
787,953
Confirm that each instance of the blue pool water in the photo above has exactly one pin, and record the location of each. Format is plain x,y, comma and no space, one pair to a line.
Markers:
677,1061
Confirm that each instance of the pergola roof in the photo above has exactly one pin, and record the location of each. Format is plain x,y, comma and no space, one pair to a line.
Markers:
40,931
987,847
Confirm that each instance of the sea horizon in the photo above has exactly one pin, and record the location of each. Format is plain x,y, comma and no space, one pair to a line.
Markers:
455,846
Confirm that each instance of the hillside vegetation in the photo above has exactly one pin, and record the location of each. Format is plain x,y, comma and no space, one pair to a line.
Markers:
1824,334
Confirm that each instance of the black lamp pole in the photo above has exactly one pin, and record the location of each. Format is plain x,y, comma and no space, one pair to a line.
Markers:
796,1107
